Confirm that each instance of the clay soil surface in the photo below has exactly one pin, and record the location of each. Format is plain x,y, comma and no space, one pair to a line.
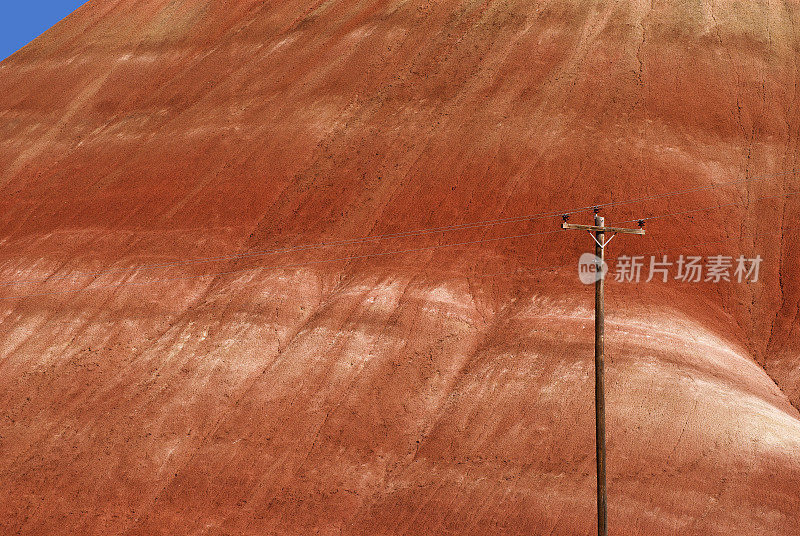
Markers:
194,339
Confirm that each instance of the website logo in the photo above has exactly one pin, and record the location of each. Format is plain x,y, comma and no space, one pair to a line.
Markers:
591,268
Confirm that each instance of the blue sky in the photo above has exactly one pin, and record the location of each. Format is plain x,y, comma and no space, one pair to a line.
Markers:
21,21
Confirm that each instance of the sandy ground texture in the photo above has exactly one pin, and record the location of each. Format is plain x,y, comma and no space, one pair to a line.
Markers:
194,339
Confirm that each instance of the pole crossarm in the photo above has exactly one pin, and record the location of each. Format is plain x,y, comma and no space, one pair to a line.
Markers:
600,229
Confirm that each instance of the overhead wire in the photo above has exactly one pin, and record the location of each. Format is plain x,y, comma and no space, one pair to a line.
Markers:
670,249
393,235
344,259
286,266
417,232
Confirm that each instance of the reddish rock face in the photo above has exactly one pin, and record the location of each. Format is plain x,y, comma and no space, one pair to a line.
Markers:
154,382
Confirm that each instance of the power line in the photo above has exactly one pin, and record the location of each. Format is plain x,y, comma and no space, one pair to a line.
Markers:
340,259
430,230
529,270
356,257
302,247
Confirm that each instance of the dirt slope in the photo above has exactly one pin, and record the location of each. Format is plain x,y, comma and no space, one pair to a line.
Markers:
150,383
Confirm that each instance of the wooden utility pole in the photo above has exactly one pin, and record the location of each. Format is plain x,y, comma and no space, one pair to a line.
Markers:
600,230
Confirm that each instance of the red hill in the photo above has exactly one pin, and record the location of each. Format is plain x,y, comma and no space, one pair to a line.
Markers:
196,338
